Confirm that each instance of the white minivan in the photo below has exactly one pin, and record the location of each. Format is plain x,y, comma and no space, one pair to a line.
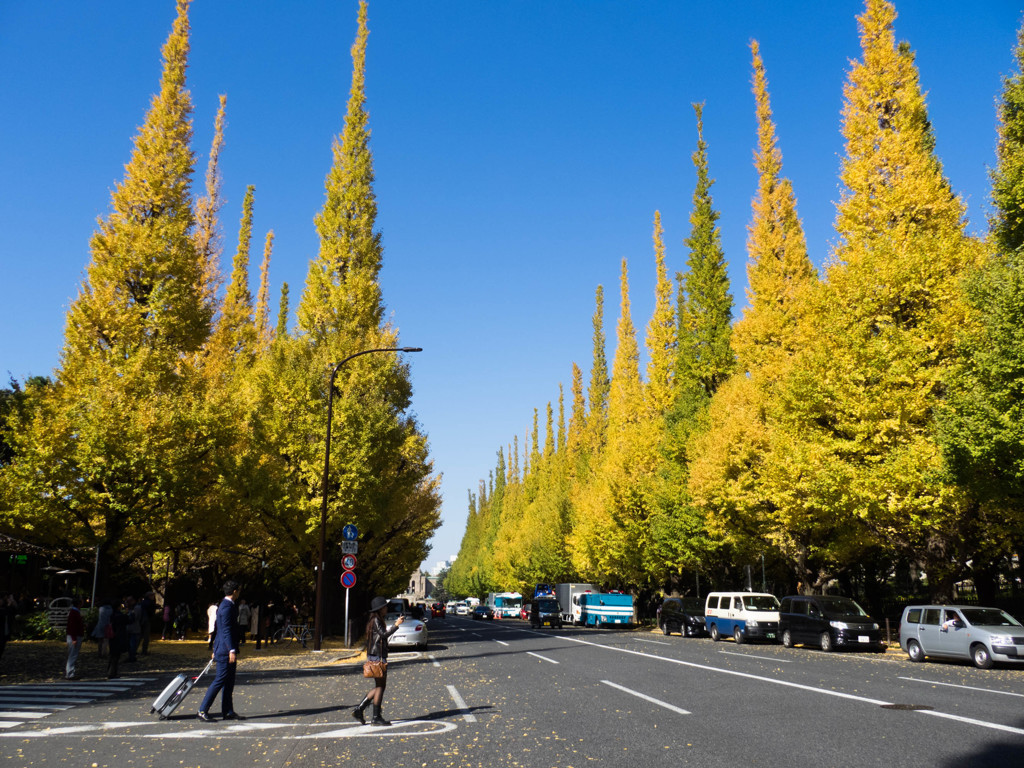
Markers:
744,615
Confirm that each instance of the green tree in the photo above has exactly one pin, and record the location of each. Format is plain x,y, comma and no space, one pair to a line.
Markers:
114,455
863,393
981,422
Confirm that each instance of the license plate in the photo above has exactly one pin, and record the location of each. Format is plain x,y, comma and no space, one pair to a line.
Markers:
770,635
863,639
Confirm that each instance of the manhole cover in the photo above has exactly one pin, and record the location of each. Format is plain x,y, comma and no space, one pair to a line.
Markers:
907,707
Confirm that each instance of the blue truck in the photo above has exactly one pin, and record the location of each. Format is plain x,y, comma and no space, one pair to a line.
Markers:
604,608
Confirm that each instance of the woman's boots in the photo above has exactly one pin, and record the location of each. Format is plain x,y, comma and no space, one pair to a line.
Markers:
357,713
377,718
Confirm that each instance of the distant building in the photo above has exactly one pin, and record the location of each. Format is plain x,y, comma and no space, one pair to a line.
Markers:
419,587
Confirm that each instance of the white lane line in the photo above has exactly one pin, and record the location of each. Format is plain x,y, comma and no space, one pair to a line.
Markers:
500,641
545,658
655,642
968,687
468,716
26,715
733,672
6,701
433,660
645,697
755,656
787,684
972,721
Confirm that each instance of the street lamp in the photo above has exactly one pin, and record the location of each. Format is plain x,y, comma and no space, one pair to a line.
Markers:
317,619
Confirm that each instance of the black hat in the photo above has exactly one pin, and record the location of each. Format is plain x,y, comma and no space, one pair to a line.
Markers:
377,604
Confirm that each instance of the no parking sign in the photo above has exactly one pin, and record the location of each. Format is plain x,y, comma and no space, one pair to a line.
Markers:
348,579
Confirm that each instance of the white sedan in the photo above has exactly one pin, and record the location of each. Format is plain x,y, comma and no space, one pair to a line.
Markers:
412,632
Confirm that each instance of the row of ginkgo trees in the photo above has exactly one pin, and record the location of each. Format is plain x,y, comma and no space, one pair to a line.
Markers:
851,426
181,430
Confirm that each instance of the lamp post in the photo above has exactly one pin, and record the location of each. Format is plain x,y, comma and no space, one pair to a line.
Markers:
318,617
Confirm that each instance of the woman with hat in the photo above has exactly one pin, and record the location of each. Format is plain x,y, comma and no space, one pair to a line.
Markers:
377,635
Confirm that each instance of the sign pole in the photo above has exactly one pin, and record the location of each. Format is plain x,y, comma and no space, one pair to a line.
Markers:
347,590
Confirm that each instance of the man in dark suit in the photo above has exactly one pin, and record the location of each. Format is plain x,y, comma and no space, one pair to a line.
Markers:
225,653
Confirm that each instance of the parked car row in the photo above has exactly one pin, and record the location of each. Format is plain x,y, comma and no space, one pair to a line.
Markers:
830,622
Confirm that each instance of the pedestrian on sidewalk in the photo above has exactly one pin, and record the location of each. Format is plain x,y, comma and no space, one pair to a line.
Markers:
377,634
225,653
244,616
102,630
118,639
75,633
134,611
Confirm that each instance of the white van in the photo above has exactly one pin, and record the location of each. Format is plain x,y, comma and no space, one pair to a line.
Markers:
744,615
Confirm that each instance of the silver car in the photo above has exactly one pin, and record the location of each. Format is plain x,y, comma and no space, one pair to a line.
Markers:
983,635
412,632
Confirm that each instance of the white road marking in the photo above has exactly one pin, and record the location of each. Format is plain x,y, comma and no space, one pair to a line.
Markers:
11,724
500,641
545,658
433,660
786,683
968,687
469,717
403,728
755,656
654,642
59,707
26,715
972,721
645,697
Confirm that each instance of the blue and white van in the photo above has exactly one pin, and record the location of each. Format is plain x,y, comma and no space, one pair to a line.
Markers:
744,615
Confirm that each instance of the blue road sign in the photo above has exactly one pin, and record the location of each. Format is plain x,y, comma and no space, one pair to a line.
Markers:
348,579
350,532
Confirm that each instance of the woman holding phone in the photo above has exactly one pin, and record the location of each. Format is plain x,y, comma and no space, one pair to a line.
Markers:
377,634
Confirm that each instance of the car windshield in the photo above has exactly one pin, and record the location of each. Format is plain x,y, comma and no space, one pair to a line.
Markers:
989,617
841,606
547,605
760,603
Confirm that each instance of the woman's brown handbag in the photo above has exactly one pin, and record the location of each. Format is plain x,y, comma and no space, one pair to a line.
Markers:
374,668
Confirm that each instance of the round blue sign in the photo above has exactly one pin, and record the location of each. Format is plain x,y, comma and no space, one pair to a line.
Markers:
350,532
348,579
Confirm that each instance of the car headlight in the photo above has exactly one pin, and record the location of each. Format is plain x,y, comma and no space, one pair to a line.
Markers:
875,626
839,624
1001,640
752,624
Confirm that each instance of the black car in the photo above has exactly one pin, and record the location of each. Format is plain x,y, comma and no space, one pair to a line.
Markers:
545,611
684,615
483,612
828,621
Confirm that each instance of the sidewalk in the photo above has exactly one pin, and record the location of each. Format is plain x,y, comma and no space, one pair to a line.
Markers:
41,661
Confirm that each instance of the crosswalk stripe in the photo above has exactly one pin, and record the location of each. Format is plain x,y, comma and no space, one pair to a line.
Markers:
24,705
11,723
28,715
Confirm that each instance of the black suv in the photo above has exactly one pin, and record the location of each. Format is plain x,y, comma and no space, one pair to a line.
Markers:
545,610
684,615
828,621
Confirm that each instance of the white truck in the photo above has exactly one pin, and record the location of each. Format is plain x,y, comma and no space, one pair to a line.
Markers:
568,599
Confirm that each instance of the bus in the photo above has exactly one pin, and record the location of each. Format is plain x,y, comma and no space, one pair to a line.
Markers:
505,604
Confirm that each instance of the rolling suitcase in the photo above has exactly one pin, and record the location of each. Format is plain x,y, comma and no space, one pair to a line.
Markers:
175,693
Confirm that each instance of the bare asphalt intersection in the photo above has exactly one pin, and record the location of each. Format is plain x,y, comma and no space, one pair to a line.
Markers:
499,694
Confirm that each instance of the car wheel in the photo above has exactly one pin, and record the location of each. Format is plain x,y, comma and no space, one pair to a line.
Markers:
914,651
825,641
714,633
787,639
981,657
665,630
737,635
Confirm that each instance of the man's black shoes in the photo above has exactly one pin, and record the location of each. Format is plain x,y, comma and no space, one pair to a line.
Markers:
232,716
206,718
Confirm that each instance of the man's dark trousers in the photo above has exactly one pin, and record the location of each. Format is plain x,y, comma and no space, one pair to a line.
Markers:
223,680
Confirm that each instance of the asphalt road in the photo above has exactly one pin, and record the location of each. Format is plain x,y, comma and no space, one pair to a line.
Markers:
495,694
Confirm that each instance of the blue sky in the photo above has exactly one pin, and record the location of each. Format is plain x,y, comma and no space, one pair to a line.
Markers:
521,150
